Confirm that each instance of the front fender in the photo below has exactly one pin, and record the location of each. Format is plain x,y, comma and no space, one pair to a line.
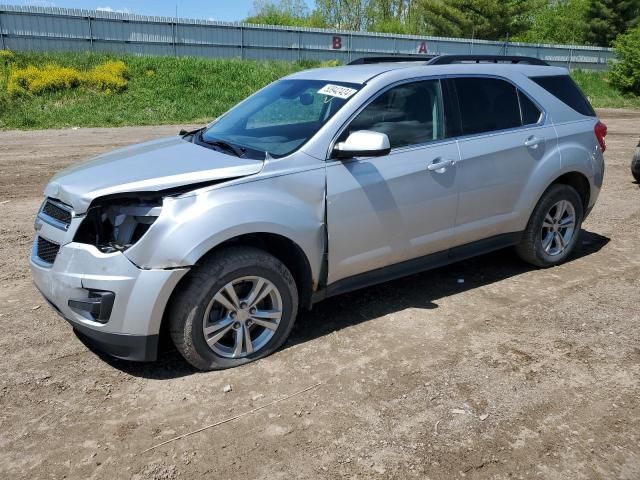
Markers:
289,205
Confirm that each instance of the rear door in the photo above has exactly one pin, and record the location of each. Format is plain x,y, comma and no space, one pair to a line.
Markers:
502,138
384,210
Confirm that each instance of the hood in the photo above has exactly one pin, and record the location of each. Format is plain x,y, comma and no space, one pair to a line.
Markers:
146,167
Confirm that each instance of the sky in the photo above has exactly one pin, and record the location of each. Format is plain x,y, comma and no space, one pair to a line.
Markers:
225,10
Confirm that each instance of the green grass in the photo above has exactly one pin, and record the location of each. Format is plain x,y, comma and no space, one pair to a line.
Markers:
160,90
601,94
164,90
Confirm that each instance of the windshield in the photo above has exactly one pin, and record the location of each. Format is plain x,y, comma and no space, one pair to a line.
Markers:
280,118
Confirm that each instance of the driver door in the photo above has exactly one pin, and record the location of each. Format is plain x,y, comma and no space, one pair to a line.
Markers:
385,210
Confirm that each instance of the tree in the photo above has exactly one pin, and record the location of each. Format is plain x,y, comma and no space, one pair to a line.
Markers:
561,21
283,12
437,17
625,73
343,14
484,19
392,16
606,19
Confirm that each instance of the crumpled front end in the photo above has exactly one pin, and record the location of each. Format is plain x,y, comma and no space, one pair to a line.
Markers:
111,302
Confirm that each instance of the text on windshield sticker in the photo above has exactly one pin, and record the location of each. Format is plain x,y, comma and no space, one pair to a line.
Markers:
337,91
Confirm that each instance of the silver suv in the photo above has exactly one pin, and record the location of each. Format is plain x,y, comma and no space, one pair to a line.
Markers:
323,182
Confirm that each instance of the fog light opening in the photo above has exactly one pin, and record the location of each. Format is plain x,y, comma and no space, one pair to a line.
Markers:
96,307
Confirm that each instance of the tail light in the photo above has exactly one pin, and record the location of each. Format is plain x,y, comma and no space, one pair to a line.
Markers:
601,131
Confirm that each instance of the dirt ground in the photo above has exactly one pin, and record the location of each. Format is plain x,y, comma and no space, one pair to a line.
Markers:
515,373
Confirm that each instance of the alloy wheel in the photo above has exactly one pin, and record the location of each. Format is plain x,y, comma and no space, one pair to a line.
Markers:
242,317
558,228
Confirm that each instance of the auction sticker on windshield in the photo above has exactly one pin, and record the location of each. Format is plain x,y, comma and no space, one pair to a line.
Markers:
337,91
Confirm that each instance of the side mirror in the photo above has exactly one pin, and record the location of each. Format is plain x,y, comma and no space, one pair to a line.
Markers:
363,143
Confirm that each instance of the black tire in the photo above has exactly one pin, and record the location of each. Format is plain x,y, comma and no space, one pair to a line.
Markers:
530,249
188,306
635,165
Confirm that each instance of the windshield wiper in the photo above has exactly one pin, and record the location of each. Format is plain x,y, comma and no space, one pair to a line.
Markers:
237,151
186,133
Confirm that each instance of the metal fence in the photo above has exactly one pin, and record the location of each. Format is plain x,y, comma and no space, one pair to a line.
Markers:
61,29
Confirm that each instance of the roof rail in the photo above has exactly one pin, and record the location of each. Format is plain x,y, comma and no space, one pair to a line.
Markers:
449,59
406,58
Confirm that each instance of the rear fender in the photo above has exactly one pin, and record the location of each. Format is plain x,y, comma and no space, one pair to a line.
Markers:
541,179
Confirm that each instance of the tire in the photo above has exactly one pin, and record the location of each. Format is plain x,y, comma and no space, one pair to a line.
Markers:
635,165
205,291
534,246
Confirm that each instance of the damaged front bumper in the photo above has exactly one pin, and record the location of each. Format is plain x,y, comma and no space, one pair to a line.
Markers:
109,301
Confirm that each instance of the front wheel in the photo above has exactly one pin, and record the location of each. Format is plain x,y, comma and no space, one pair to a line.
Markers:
238,306
554,227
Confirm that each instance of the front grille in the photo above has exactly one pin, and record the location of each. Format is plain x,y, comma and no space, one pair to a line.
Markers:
57,212
47,251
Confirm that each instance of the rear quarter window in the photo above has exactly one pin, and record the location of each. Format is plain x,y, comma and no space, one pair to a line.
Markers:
565,89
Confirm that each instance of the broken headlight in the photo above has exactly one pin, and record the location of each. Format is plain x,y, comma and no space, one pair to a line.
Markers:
117,225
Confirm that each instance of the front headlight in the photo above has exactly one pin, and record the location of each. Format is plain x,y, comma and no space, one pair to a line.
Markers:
117,225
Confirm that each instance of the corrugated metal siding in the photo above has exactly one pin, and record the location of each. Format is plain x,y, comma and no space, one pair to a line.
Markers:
44,26
208,51
45,44
208,35
63,29
138,32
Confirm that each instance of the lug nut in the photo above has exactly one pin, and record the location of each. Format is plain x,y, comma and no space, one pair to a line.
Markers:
243,305
253,311
233,314
236,325
248,323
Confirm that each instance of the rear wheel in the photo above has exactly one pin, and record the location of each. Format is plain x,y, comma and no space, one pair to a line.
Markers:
635,165
554,227
238,306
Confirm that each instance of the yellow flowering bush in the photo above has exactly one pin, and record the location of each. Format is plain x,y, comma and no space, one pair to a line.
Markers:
109,76
6,54
37,80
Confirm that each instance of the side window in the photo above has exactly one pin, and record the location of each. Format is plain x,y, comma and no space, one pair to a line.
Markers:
530,113
410,114
565,89
487,104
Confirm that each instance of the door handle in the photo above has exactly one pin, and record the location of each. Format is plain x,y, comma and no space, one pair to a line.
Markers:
440,166
533,142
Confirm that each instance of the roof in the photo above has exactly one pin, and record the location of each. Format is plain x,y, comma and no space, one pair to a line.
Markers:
362,73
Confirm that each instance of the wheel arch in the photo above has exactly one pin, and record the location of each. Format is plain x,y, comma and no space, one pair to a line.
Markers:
281,247
542,179
285,250
580,182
